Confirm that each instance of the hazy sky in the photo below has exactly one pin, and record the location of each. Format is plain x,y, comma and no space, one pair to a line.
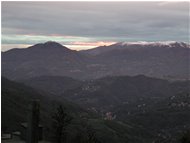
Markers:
81,25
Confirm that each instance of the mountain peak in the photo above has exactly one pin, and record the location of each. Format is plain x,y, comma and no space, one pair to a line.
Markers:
50,45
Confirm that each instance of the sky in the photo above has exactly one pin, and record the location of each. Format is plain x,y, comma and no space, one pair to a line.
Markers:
85,25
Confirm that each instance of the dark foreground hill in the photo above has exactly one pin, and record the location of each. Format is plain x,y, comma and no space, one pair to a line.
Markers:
16,99
157,105
163,60
84,125
55,85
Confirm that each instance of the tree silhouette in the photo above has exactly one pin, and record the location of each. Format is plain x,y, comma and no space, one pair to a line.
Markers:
61,119
185,137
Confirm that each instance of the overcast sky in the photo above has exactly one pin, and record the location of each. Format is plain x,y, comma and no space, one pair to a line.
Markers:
81,25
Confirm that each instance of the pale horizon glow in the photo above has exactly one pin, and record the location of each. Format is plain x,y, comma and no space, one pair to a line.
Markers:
73,46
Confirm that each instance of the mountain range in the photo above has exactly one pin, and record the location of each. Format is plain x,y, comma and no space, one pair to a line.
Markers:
126,92
169,60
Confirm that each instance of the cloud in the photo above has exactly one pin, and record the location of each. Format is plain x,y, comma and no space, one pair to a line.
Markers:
32,38
95,21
